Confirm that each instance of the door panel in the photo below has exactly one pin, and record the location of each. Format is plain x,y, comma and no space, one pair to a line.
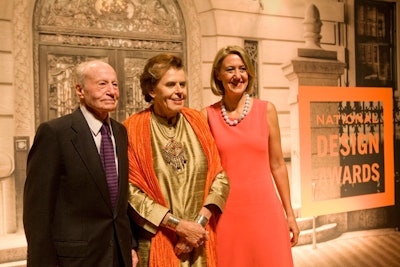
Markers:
56,81
129,67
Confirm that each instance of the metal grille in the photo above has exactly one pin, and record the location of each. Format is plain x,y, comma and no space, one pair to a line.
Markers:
361,125
251,48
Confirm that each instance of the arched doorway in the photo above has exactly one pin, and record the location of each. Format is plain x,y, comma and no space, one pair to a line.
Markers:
30,36
123,33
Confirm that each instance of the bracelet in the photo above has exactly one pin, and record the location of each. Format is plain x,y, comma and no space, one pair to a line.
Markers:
172,222
202,220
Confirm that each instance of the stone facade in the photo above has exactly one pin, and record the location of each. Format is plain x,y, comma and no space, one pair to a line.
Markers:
207,25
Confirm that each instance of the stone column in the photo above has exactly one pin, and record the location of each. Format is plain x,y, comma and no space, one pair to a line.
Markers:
313,66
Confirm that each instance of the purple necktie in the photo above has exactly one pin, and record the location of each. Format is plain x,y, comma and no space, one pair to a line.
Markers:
108,159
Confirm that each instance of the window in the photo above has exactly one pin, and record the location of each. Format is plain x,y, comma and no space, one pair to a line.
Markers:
374,37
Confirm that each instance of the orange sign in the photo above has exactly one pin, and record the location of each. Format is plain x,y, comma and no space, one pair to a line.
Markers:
346,149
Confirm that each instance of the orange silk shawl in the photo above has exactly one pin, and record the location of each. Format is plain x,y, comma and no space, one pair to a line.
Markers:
141,174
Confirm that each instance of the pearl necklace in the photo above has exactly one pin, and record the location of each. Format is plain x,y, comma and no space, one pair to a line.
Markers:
241,117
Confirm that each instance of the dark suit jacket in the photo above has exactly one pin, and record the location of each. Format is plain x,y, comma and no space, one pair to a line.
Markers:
68,218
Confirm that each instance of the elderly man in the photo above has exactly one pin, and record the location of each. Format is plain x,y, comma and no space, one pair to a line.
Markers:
76,190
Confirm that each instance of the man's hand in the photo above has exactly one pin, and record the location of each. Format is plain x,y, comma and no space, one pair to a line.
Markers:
135,258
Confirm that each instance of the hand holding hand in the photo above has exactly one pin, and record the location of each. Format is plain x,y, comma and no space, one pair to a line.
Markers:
192,233
182,247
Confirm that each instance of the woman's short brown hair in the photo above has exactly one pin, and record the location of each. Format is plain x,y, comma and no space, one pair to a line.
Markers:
155,69
216,85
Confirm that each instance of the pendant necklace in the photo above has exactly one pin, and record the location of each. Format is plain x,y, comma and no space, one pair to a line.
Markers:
173,151
241,117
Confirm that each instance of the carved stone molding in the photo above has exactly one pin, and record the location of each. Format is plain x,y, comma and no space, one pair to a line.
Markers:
194,64
24,94
112,42
126,17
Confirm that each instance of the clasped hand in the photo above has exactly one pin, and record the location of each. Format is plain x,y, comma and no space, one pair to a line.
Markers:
191,235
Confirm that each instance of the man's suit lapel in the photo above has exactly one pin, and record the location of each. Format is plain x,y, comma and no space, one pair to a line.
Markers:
86,148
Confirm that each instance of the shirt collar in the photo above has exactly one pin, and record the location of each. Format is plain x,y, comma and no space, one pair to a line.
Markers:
94,124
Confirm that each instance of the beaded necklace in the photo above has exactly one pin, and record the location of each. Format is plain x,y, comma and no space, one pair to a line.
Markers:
241,117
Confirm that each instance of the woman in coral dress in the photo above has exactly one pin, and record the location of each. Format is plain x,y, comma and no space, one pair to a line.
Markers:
258,226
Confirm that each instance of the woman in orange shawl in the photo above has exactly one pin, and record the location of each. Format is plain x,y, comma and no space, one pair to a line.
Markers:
177,185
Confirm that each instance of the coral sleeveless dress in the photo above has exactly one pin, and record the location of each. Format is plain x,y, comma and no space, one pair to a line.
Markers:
252,231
